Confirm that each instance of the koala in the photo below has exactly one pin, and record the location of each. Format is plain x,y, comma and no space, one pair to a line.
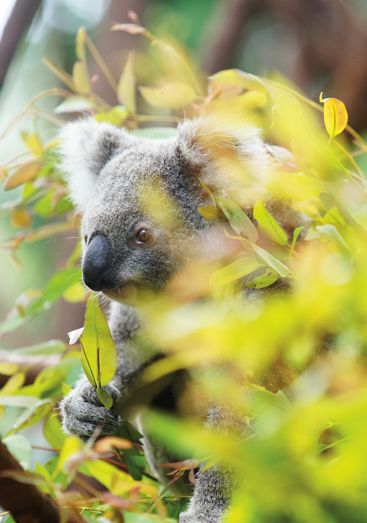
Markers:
111,174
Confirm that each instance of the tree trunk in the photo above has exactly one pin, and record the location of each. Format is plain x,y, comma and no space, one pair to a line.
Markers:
17,24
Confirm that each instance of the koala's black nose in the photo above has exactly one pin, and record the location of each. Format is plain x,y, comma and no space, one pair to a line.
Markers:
97,268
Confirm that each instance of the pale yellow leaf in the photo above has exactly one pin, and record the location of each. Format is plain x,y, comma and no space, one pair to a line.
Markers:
24,173
81,78
126,92
80,44
171,96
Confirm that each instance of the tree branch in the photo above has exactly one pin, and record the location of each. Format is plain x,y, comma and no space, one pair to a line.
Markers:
24,501
18,22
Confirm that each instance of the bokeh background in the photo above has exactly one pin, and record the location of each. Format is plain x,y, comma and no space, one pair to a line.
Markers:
320,45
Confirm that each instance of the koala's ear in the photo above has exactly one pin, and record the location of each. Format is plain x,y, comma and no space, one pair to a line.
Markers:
210,144
85,148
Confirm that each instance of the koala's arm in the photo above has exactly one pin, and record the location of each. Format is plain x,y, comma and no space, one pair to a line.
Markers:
214,485
81,411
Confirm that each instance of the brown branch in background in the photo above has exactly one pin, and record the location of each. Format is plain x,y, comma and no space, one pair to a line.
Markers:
19,20
115,46
224,33
330,37
30,365
25,502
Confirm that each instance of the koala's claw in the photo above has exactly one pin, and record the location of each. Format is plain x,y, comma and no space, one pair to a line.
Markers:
82,412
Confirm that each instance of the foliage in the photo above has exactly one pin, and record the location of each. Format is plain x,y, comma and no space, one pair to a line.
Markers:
293,362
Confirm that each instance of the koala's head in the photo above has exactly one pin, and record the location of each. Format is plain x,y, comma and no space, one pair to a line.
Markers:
140,197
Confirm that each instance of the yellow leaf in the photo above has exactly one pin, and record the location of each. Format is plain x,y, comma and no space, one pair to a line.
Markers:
81,78
171,96
8,368
253,99
126,93
24,173
72,446
210,212
335,116
13,384
237,78
80,44
75,293
115,480
21,218
34,143
111,442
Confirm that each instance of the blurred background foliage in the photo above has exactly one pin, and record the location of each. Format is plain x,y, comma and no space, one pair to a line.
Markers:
305,372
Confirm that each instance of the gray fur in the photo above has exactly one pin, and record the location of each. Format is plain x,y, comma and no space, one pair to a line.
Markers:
110,173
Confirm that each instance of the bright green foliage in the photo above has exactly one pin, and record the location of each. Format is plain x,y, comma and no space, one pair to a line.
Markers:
268,224
98,352
292,362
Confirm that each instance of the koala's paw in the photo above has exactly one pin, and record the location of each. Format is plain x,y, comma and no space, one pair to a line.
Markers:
194,517
82,412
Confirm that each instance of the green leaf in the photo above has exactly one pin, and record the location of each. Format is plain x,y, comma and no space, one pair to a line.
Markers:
99,357
104,398
238,219
273,262
268,224
261,278
234,271
135,463
53,432
32,415
54,289
20,448
297,231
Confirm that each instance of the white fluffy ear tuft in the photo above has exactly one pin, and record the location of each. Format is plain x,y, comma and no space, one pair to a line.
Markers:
219,147
85,147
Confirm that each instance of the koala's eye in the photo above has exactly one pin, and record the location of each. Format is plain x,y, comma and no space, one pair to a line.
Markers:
143,235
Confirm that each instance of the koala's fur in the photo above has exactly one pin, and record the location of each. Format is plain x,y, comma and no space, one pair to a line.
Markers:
108,169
